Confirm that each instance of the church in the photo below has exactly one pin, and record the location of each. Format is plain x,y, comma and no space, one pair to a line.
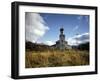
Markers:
62,44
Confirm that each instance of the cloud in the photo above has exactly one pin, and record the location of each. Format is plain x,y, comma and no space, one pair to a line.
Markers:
35,26
86,17
80,17
75,28
79,39
49,43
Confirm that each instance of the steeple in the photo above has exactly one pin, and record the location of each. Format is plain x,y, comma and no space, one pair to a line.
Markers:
61,30
61,36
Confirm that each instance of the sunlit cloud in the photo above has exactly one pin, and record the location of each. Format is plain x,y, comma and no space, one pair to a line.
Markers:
49,43
35,26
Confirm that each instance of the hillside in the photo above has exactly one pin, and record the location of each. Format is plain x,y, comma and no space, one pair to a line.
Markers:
42,47
36,46
41,55
83,46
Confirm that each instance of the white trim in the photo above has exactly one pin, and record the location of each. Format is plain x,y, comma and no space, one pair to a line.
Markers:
52,70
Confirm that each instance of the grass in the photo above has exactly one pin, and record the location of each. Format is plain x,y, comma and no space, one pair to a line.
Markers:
56,58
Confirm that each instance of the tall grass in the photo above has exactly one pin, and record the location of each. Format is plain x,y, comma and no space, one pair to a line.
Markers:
56,58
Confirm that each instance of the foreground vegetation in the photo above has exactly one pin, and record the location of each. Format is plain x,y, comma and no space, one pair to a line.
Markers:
56,58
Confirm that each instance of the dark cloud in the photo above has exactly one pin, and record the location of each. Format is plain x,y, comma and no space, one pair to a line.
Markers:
78,39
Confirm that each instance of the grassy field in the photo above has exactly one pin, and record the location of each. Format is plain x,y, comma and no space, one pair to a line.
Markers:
56,58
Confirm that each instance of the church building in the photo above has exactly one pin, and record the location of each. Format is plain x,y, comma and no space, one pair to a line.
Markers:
62,44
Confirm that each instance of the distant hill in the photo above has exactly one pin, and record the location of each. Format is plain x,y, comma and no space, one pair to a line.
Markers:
84,46
36,46
42,47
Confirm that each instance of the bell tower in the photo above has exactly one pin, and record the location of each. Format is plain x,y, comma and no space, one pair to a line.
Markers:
61,36
62,39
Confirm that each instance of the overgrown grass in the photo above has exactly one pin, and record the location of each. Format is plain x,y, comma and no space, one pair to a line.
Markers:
56,58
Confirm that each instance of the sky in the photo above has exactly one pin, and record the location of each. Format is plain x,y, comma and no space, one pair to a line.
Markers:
44,27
